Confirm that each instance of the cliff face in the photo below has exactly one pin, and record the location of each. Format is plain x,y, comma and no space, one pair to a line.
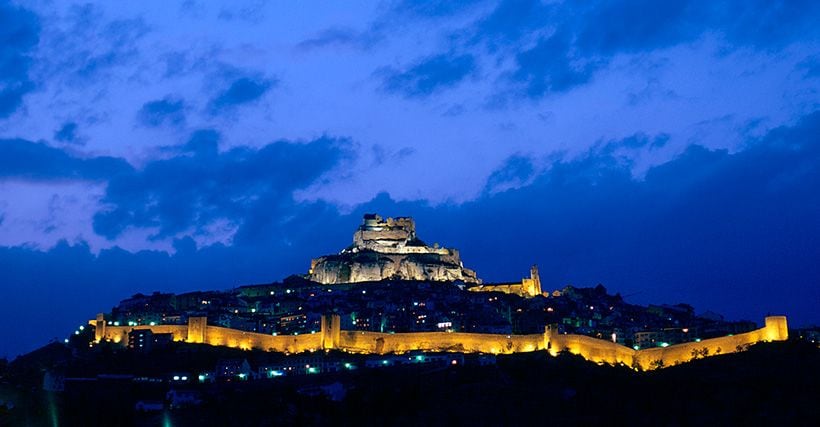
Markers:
390,250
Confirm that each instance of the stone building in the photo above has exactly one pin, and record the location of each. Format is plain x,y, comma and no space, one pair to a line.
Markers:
389,249
527,287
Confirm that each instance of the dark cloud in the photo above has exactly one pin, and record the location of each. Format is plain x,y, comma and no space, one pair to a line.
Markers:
637,25
644,25
512,20
428,75
392,16
625,150
21,159
67,133
168,111
558,46
810,66
241,91
765,24
19,34
550,66
204,142
202,185
515,172
90,50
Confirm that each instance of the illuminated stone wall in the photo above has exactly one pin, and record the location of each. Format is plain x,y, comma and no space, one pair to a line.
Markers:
592,349
216,335
332,337
527,288
119,334
375,342
776,329
602,351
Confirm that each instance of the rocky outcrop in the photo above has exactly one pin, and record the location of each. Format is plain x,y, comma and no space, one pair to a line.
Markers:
389,249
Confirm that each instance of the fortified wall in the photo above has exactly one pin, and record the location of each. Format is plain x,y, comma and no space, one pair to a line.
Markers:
332,337
527,288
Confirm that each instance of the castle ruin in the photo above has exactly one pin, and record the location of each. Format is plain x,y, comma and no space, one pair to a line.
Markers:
527,287
388,249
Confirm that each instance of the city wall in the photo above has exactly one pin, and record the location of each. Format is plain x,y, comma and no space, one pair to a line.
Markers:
602,351
119,334
332,337
216,335
592,349
775,329
197,331
375,342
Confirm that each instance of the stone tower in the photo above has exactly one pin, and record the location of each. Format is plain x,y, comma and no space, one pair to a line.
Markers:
536,280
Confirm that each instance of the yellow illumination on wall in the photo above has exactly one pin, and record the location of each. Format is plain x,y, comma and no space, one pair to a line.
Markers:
331,337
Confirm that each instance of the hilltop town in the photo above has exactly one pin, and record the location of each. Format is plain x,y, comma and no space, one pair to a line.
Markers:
389,281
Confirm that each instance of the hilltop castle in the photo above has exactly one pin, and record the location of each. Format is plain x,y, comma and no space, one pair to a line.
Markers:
389,249
392,320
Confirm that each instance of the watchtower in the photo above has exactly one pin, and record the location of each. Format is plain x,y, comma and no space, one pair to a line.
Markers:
197,327
331,331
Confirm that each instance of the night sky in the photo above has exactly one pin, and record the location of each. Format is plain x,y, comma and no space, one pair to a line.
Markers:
669,150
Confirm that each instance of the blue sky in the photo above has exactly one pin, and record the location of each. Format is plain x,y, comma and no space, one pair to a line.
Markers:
668,150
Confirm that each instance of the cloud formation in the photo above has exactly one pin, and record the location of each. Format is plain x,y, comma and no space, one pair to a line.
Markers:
202,185
243,90
26,160
67,133
168,111
19,34
428,75
558,46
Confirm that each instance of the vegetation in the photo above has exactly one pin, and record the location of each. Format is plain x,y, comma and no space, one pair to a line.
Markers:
771,383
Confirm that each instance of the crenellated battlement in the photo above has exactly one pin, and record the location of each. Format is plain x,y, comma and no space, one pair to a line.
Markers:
389,249
331,336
